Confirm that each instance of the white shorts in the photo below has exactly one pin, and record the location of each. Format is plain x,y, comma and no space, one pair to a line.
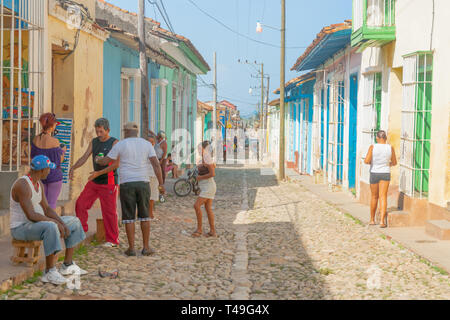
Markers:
154,189
207,188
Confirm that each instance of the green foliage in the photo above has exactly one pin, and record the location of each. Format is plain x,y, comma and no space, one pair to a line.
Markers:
325,271
356,220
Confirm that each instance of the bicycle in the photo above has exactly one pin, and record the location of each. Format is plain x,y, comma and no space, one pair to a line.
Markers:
184,186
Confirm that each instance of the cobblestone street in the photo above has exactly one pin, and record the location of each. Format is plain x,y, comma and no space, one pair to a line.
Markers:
276,241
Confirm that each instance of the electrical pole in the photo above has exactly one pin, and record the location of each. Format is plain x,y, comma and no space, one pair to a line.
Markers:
143,69
261,115
282,174
265,114
267,102
215,106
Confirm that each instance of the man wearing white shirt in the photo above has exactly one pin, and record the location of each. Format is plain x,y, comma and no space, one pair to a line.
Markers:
137,157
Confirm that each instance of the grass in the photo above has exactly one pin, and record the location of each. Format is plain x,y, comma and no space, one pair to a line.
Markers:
78,253
424,261
34,278
356,220
94,242
12,292
325,271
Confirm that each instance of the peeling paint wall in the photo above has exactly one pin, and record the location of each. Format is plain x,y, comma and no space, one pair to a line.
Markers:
78,85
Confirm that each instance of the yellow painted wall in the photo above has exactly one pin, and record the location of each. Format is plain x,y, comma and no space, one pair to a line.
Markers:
84,77
63,98
447,176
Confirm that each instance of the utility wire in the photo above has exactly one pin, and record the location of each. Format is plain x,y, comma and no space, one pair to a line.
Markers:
236,32
168,18
155,3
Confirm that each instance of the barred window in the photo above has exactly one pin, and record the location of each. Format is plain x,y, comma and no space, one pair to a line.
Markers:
416,124
21,83
371,116
336,132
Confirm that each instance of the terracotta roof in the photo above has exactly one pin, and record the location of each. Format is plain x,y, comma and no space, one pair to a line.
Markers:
274,103
301,79
203,106
228,104
320,36
157,29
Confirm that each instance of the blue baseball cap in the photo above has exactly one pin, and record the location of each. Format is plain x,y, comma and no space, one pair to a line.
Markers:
41,162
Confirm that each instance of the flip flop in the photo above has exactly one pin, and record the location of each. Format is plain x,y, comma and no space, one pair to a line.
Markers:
196,235
210,235
372,224
383,226
111,275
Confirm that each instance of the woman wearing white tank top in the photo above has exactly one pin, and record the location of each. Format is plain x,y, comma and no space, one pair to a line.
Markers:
381,157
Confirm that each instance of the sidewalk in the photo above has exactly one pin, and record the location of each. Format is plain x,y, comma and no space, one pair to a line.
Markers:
414,238
11,275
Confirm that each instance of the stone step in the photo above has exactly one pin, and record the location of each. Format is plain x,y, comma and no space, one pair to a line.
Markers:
399,219
438,228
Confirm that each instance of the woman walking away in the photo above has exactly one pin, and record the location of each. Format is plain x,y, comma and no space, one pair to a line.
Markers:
381,156
47,145
207,172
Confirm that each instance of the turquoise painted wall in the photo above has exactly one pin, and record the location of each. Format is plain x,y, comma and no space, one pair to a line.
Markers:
170,75
117,56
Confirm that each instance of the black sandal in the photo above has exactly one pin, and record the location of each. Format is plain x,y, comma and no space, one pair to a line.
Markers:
130,253
147,253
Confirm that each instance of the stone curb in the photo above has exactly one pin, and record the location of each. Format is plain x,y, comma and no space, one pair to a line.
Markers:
22,276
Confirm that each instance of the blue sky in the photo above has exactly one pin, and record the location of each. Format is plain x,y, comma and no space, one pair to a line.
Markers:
305,18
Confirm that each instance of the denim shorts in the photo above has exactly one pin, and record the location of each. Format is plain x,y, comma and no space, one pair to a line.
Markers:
375,178
49,233
135,195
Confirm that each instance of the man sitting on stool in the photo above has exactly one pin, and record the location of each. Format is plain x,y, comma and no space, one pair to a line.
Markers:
32,219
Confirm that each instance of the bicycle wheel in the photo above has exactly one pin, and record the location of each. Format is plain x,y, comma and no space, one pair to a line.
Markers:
182,188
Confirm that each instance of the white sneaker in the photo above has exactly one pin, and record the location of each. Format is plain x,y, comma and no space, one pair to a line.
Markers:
72,269
54,277
110,245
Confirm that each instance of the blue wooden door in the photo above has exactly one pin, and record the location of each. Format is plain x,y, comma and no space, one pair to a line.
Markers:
353,112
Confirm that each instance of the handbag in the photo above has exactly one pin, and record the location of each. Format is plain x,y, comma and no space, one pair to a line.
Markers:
202,169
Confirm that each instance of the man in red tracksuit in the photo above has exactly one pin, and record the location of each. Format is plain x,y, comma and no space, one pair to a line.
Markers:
104,187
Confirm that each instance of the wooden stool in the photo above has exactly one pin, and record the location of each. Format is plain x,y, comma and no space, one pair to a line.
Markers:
31,257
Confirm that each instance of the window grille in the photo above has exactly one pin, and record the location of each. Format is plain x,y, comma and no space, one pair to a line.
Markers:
131,97
416,124
318,105
370,117
358,14
336,130
291,130
304,116
21,83
380,13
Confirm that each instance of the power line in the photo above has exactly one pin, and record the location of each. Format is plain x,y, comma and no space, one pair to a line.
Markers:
237,100
238,33
169,25
168,18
